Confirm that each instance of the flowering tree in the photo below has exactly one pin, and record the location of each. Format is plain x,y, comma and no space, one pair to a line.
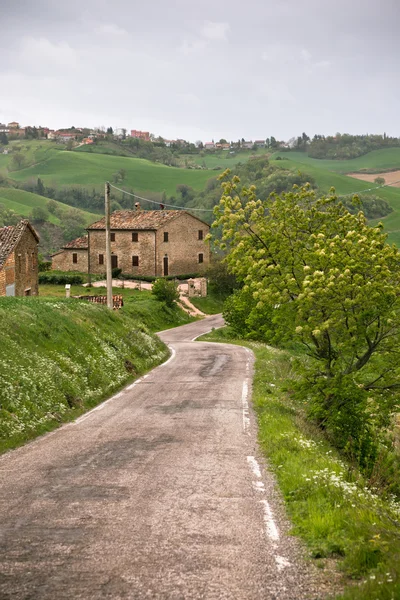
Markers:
317,274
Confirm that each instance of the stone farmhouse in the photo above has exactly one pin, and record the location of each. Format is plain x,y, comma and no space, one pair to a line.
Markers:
143,242
72,257
19,260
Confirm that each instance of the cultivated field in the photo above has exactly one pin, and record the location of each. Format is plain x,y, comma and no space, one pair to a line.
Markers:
390,177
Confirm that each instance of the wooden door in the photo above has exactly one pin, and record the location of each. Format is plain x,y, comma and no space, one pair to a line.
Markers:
165,265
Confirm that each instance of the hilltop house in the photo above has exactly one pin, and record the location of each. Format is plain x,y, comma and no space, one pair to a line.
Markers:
19,260
143,242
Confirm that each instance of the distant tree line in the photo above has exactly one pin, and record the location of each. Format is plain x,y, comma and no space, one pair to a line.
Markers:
345,146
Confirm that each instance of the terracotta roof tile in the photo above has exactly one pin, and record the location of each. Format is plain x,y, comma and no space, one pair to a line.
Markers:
10,236
138,219
80,242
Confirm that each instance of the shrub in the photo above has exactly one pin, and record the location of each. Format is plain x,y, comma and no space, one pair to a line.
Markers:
60,278
165,291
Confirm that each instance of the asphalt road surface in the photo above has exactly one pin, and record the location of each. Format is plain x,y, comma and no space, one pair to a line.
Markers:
158,493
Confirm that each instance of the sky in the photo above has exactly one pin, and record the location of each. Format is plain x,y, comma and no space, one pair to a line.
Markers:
204,69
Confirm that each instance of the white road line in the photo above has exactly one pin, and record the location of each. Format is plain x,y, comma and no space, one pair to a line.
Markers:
173,354
245,406
259,486
270,525
281,562
254,466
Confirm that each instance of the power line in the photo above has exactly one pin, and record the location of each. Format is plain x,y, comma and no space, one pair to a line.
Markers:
160,202
212,210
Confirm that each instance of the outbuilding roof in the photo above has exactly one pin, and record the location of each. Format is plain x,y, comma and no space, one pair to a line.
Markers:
80,242
10,236
141,219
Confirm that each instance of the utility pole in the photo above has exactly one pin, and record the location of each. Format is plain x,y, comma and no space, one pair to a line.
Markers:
108,247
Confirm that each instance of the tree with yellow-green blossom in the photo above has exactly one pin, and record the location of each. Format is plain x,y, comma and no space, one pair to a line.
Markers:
316,274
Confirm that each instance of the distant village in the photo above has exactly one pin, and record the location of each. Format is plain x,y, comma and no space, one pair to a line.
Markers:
14,131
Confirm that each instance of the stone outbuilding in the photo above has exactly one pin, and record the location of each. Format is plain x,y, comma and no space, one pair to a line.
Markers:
72,257
151,242
19,272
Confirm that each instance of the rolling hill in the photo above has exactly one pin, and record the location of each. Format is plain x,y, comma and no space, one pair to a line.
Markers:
70,168
330,173
23,202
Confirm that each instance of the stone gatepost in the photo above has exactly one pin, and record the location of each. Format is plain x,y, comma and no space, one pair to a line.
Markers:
203,287
191,288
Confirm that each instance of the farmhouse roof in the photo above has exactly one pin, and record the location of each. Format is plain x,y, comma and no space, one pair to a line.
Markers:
141,219
10,236
80,242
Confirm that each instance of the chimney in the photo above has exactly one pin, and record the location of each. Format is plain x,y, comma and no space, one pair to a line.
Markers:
137,205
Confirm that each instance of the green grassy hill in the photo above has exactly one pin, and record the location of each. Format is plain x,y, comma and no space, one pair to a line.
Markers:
23,202
71,168
327,174
378,160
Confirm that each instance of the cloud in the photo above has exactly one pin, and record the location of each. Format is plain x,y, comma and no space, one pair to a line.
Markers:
111,29
41,54
215,31
306,54
322,64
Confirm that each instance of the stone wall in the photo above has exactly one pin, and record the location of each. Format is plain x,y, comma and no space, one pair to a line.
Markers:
26,265
7,274
123,248
183,247
63,261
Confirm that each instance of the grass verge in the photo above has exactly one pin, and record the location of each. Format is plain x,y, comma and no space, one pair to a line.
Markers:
60,358
327,501
210,305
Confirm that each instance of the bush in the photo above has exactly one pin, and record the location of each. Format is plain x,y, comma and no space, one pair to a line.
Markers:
165,291
60,278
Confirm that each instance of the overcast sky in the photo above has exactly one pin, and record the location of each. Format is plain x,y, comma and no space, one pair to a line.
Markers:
202,69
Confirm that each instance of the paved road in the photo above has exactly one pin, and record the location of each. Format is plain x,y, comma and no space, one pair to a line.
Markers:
158,493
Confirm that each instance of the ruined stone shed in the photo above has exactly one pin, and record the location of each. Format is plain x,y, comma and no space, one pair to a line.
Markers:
19,269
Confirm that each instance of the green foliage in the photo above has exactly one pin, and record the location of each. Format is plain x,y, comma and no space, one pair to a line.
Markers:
220,281
345,146
315,273
61,357
60,278
116,273
165,291
372,206
39,213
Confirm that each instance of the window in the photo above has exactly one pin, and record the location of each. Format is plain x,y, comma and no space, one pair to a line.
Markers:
112,235
19,263
200,234
114,261
75,258
135,261
135,236
101,259
201,258
165,236
34,264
